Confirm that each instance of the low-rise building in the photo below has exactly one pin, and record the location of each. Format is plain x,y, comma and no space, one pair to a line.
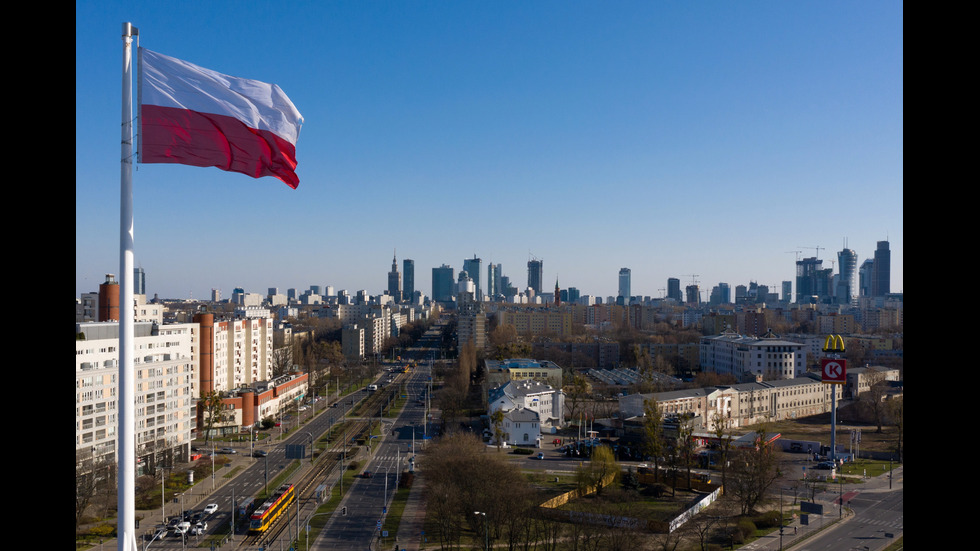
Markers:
740,404
242,408
860,379
547,402
522,427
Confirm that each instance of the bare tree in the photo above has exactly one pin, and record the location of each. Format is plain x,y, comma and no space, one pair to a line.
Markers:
653,433
754,470
723,433
575,395
85,487
874,396
896,413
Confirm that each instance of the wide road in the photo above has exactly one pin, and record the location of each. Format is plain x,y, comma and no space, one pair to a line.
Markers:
367,498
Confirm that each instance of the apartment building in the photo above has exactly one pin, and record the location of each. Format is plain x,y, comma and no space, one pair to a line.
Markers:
166,376
764,358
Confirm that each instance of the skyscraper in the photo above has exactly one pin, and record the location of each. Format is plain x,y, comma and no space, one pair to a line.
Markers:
806,279
442,283
881,270
720,294
624,286
674,289
395,280
864,277
491,281
847,283
139,281
535,275
498,280
473,267
408,287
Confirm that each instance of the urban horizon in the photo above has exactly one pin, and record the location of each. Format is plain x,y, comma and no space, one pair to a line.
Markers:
423,281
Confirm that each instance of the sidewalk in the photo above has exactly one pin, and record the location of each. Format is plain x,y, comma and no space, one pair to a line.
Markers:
195,498
795,533
410,529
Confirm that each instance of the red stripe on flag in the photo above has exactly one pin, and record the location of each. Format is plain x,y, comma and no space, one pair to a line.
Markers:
171,135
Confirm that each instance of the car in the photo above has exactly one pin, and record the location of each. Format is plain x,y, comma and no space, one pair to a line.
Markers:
228,450
199,528
825,465
260,453
540,455
182,528
303,408
160,533
210,508
333,405
367,474
197,517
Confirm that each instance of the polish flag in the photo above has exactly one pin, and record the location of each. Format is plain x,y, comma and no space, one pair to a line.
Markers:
195,116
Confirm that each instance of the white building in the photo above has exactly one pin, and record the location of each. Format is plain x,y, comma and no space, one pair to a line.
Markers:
352,341
234,352
165,385
522,427
739,405
763,358
546,402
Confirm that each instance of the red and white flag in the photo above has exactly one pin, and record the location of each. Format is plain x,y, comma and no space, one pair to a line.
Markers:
195,116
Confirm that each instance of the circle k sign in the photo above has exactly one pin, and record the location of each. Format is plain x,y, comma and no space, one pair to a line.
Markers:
834,370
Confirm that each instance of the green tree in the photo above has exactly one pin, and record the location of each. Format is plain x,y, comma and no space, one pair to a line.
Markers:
497,420
211,406
600,470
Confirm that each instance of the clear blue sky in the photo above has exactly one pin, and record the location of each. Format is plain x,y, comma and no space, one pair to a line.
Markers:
673,138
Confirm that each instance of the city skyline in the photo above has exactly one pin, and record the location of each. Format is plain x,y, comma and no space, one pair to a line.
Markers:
737,135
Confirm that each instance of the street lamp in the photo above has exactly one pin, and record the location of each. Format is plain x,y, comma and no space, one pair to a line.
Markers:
486,530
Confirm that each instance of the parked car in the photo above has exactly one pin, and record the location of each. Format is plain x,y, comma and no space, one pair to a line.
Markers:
825,465
210,508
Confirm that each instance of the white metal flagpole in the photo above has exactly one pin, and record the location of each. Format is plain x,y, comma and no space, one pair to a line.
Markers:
126,447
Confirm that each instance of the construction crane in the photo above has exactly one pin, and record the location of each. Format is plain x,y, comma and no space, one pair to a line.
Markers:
818,248
797,254
694,278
